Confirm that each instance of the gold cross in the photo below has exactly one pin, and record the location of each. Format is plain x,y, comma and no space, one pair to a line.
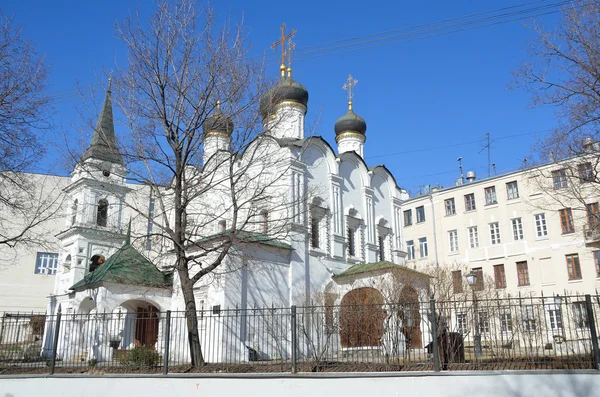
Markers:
349,87
282,40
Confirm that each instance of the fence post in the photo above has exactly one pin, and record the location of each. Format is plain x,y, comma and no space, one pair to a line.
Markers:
167,343
294,339
55,342
593,331
436,351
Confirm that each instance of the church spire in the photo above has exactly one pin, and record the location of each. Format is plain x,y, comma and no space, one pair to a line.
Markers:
104,142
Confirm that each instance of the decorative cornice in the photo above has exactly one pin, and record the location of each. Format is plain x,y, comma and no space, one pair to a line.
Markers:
217,133
350,134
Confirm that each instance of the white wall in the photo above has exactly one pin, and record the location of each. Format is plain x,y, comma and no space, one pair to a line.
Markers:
464,384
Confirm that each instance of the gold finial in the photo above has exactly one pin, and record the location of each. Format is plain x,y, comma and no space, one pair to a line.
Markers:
289,71
281,42
282,70
218,104
349,87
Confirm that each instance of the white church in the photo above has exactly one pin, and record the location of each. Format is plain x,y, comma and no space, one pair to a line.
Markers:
336,240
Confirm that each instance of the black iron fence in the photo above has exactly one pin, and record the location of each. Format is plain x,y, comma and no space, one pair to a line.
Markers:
508,333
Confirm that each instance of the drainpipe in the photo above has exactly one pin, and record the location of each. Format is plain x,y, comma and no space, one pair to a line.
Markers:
437,264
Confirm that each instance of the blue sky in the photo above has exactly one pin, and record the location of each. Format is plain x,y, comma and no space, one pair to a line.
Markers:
426,102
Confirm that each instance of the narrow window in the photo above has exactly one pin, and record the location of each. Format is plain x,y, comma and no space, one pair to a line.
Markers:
495,233
457,282
450,206
453,240
540,225
592,215
423,247
484,321
597,262
407,217
490,195
150,225
410,248
506,325
580,314
470,202
473,237
512,190
351,242
499,276
522,273
566,221
559,178
555,318
420,214
102,214
314,232
479,274
573,267
462,325
586,173
222,226
517,229
381,248
264,219
528,318
74,212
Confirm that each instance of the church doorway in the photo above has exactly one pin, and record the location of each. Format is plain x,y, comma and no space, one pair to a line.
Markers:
362,318
410,314
146,326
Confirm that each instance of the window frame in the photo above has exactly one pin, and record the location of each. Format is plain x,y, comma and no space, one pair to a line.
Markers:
407,217
420,211
573,267
517,227
523,274
566,221
500,276
453,240
580,316
541,225
559,179
473,237
495,237
423,249
490,195
512,187
410,249
450,206
46,263
470,204
596,255
593,215
585,172
457,282
480,285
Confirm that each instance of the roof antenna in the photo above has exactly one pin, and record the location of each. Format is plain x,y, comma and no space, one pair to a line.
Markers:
494,168
462,178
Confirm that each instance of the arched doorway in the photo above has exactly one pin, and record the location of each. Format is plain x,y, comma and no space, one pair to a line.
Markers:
140,324
410,315
362,318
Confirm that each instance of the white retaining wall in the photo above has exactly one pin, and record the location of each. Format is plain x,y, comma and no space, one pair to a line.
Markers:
457,384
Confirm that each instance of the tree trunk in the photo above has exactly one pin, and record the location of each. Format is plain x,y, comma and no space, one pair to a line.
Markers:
191,316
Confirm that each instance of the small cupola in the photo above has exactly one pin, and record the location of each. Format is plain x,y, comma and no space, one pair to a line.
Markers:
350,129
218,123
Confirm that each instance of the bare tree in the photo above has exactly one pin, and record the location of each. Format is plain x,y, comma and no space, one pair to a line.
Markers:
564,72
27,201
189,95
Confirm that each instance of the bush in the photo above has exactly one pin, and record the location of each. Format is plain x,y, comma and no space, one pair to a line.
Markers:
140,357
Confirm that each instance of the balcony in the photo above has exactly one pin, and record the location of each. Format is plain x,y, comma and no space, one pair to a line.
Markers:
592,235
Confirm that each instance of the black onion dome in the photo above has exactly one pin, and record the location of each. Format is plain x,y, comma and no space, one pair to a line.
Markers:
218,122
285,90
350,122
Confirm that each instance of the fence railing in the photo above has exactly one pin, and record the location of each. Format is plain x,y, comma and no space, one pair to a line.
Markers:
508,333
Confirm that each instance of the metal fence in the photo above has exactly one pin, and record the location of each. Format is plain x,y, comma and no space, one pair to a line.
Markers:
508,333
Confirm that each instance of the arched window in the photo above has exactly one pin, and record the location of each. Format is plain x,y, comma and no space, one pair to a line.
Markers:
74,212
314,231
351,242
264,221
381,247
102,215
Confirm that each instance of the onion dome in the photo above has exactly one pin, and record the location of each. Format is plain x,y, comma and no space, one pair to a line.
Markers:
218,123
285,90
350,122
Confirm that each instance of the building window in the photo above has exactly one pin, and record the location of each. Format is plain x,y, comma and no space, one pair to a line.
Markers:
586,173
410,247
522,273
500,276
490,195
462,324
351,242
381,247
470,202
592,215
450,207
264,221
528,318
420,214
102,213
555,318
314,232
407,217
517,226
479,274
566,221
150,224
512,190
46,263
506,325
540,225
495,233
597,262
457,282
573,267
74,211
473,237
580,315
453,240
423,247
484,322
559,179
